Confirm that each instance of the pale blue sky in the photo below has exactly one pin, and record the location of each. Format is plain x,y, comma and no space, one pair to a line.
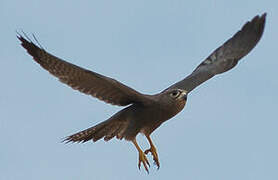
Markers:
228,129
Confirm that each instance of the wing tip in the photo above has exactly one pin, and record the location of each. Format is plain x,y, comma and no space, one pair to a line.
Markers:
24,41
253,29
29,45
259,23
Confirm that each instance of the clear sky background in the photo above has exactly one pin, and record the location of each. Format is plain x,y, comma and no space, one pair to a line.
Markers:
228,129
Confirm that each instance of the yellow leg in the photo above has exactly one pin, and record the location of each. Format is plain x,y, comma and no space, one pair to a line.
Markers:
142,157
153,151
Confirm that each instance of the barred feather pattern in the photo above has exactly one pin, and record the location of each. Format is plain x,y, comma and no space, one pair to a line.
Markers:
107,130
91,83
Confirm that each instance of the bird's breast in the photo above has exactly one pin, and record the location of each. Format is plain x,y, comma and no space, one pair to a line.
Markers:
165,113
175,109
155,116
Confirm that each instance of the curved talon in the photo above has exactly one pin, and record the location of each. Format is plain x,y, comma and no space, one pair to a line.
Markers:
143,159
152,150
147,151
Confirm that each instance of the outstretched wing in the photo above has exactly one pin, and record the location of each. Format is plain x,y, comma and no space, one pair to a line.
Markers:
226,56
88,82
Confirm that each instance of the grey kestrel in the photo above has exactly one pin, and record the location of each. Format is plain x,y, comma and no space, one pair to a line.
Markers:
144,113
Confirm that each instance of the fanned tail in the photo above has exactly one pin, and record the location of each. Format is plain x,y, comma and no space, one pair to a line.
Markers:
107,129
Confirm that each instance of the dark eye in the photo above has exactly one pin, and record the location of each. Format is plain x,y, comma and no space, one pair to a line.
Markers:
174,94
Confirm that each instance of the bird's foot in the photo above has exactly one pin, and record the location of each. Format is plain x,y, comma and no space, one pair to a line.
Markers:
143,159
153,151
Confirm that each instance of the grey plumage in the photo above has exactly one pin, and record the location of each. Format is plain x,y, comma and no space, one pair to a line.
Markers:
226,56
145,113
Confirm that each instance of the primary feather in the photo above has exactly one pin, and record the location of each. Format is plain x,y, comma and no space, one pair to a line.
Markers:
226,56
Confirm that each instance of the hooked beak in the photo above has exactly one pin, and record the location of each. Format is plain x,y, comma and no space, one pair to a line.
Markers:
184,95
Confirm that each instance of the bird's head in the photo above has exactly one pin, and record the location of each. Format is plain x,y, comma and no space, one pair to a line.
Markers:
172,101
174,97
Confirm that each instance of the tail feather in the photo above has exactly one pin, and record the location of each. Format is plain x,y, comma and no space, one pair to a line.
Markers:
117,130
107,129
85,135
101,133
112,133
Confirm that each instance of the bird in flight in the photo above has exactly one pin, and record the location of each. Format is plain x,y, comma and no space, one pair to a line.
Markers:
143,113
